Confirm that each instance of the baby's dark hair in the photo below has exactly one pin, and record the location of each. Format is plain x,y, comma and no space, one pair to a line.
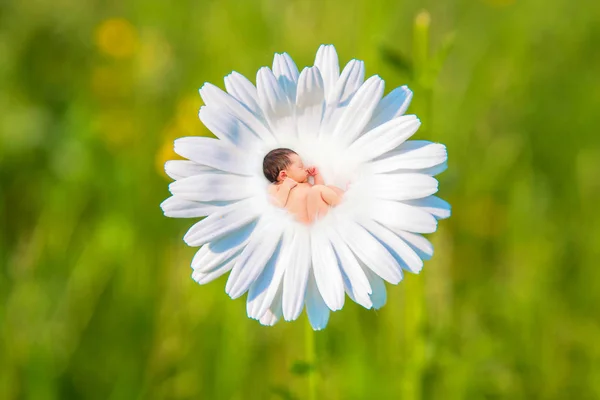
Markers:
275,161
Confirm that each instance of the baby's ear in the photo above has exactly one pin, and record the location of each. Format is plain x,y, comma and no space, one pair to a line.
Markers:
282,175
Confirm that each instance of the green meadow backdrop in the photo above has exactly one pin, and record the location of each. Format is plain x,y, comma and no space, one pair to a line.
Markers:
96,298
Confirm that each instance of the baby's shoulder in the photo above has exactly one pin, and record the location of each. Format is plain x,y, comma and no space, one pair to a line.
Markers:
303,186
273,188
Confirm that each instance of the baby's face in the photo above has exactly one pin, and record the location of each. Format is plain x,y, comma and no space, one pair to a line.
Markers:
296,170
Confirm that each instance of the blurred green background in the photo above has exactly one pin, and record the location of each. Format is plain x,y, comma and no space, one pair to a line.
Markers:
96,299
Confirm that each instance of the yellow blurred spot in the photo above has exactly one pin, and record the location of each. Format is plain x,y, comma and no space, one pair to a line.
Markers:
165,151
186,116
185,123
423,19
117,128
154,60
117,38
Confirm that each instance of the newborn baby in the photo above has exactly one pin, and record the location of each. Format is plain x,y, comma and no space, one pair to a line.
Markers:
291,190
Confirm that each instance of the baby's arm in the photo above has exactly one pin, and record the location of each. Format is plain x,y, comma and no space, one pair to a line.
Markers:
281,192
316,174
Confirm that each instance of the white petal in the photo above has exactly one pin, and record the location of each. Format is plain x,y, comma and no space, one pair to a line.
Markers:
216,253
326,270
251,262
357,297
271,317
339,97
438,169
296,275
379,295
176,207
432,171
327,62
259,290
370,251
412,154
229,128
434,205
275,103
274,313
396,215
214,187
355,281
213,153
346,86
309,104
263,290
358,113
215,97
206,277
243,90
397,247
316,309
418,243
178,169
222,222
286,72
402,186
391,106
385,137
368,240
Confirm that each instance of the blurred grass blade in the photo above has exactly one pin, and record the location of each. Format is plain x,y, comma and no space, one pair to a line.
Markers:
440,56
397,60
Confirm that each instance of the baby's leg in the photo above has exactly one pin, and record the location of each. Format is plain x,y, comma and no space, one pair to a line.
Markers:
328,194
315,205
320,198
337,190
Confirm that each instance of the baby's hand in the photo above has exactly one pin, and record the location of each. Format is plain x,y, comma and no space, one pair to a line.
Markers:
289,182
312,171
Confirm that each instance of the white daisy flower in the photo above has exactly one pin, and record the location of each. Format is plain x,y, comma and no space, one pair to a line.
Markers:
359,141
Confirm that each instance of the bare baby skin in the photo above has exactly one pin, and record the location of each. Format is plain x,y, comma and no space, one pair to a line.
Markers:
305,201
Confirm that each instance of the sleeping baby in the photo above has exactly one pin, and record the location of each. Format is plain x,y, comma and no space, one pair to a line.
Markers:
291,190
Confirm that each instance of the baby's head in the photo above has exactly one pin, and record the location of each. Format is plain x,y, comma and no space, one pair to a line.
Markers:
284,163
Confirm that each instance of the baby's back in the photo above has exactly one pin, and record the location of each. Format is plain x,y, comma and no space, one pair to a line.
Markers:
296,204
